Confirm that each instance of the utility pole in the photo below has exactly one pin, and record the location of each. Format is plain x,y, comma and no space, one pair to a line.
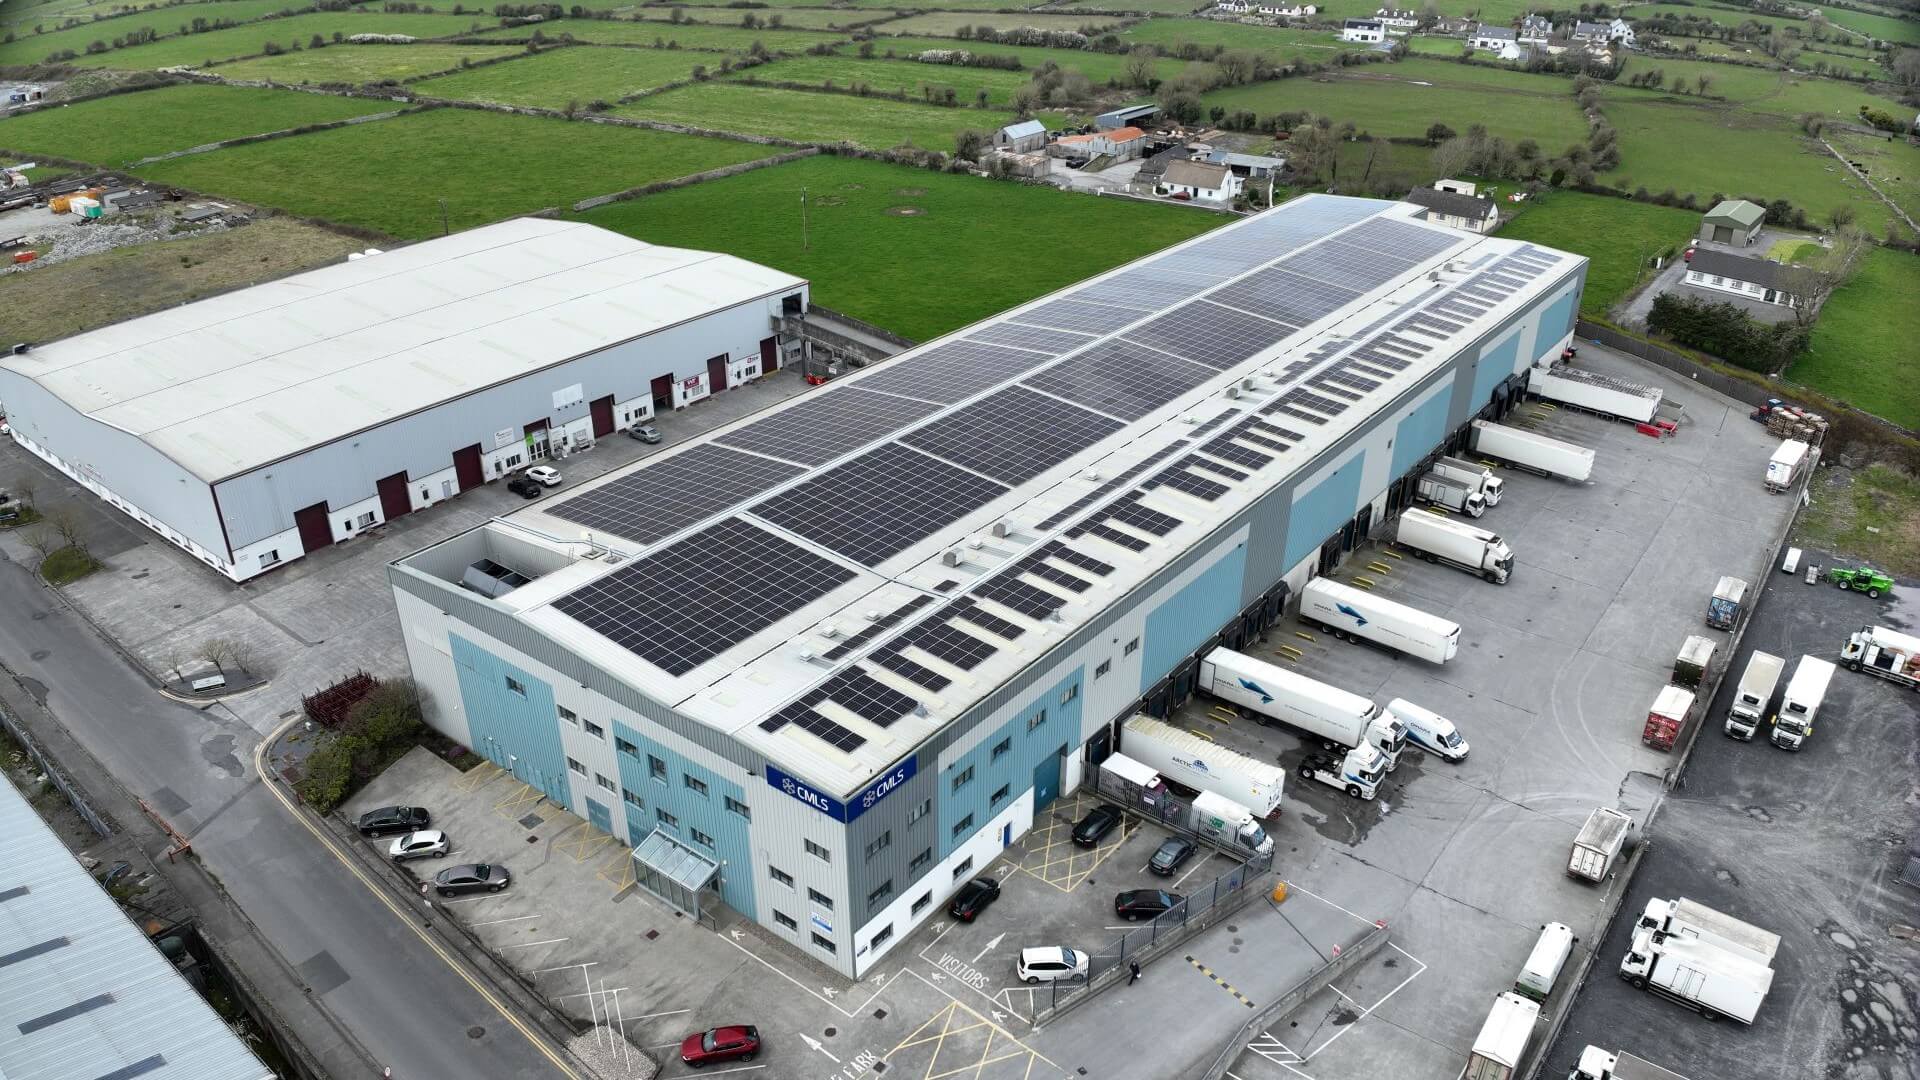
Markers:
805,244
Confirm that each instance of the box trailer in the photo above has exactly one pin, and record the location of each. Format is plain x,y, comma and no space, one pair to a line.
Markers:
1201,765
1549,457
1347,612
1754,694
1503,1039
1684,918
1436,490
1613,398
1690,667
1602,838
1545,962
1728,600
1784,467
1229,824
1340,719
1456,543
1714,981
1476,476
1128,781
1598,1064
1887,653
1668,717
1793,724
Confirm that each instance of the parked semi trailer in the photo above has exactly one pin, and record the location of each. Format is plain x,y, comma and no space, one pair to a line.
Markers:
1345,612
1549,457
1503,1039
1436,490
1887,653
1476,476
1754,694
1456,543
1201,765
1610,397
1340,719
1598,1064
1226,822
1714,981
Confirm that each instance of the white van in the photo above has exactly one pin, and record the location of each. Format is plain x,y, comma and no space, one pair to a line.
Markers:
1052,963
1428,730
1544,964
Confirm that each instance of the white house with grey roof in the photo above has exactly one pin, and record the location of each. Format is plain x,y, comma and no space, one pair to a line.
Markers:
836,656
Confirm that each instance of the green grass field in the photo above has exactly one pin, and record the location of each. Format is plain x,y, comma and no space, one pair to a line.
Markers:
901,76
972,248
1156,7
578,73
1892,164
1864,337
875,123
360,63
1905,31
1096,66
114,131
392,175
795,18
1404,99
29,47
252,39
684,35
1758,90
1616,236
1272,42
954,5
945,23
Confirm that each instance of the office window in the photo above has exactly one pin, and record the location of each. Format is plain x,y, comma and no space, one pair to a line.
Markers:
625,747
884,934
576,767
1101,671
694,784
1069,693
820,898
963,825
568,715
515,686
879,843
920,811
785,920
1003,746
819,852
1036,720
632,799
879,895
700,838
998,796
960,778
965,867
605,783
824,942
593,729
364,521
656,768
267,558
920,861
1132,647
738,807
780,876
667,819
920,905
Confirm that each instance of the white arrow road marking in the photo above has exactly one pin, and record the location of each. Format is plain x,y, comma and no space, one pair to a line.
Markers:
991,945
998,1015
830,991
737,935
814,1044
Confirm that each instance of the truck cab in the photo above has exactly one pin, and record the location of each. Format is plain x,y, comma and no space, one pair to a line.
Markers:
1793,725
1358,773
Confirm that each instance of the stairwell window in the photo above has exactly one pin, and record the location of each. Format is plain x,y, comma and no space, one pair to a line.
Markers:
515,686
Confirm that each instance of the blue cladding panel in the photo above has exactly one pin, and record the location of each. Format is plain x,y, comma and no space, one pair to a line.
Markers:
1420,431
1555,323
507,724
1320,511
1189,617
1496,363
707,813
1013,770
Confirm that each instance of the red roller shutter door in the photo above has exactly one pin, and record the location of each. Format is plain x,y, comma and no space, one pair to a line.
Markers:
316,531
769,354
394,498
602,410
717,373
466,467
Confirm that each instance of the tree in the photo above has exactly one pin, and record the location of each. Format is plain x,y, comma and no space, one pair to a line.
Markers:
1451,157
41,540
241,653
970,144
1438,133
1236,66
1811,284
1139,69
1183,106
1311,152
1701,83
1905,66
24,486
1842,217
216,651
66,525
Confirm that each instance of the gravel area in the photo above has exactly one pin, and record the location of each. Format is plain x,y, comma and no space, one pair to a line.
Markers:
72,240
600,1050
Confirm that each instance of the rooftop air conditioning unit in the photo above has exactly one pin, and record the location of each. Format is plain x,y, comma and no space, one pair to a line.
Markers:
1247,383
976,543
828,630
1233,392
806,655
951,558
1000,530
870,615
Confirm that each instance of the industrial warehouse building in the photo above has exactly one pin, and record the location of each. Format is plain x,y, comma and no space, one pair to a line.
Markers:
258,426
831,686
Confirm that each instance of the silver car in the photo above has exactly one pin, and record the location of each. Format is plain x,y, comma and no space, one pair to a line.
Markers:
419,845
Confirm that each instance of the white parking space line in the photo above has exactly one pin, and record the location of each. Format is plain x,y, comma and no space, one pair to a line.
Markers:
1188,874
723,1072
655,1016
471,899
496,922
532,944
593,993
567,967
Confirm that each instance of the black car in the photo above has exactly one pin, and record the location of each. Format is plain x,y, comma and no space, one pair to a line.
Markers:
1144,903
391,819
472,877
1171,854
523,487
1096,825
973,898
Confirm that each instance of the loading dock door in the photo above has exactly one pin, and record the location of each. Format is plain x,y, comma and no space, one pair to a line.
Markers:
394,499
717,373
769,354
316,531
663,391
602,410
466,467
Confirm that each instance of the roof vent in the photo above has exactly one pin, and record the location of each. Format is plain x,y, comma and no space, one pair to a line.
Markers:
806,655
870,615
595,553
828,630
976,543
1000,530
20,348
951,558
1233,392
1247,383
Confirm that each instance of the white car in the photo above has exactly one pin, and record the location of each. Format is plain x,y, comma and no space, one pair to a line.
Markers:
419,845
545,474
1052,963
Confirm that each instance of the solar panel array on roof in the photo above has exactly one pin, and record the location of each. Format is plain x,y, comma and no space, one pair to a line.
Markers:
1035,338
827,426
1208,333
951,372
1120,379
654,502
871,508
1012,435
1061,516
1079,315
874,629
690,601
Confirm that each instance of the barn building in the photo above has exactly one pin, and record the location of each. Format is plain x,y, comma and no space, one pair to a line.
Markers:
827,690
255,427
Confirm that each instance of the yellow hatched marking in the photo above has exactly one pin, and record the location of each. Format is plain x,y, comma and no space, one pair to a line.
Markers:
964,1044
479,776
1218,981
582,841
617,871
525,795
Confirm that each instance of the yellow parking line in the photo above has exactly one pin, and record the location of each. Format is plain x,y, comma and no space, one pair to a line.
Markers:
1304,636
1379,567
1290,652
1363,582
1202,734
1391,554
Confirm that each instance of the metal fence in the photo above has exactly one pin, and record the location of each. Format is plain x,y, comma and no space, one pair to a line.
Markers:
54,773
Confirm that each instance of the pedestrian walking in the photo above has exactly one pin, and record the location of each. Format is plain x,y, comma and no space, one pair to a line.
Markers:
1133,972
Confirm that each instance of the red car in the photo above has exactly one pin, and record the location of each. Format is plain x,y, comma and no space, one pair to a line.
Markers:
737,1043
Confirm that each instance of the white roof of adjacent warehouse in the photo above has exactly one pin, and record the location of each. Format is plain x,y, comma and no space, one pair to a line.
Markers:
233,382
83,993
1368,301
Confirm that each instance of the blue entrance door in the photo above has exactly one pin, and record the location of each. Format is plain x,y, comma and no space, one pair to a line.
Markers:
599,817
1046,782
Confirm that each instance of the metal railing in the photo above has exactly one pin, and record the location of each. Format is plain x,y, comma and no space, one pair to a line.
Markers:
55,774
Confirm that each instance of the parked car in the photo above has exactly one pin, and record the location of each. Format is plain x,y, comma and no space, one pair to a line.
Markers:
545,475
1096,825
471,877
738,1042
1170,855
1144,903
646,433
1051,963
523,487
392,819
973,898
419,845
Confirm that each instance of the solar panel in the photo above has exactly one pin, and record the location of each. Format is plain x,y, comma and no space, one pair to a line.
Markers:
1079,559
1414,243
835,421
691,601
1120,379
1035,338
966,609
1276,293
1007,590
878,504
936,638
1061,516
1113,536
1012,435
659,499
1128,511
1207,333
867,698
913,672
1078,315
876,628
801,715
951,372
1197,486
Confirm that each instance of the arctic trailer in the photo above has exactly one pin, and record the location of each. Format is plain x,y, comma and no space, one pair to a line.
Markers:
1340,719
1456,543
1201,765
1345,612
1549,457
1889,654
1476,476
1784,467
1596,393
1714,981
1599,843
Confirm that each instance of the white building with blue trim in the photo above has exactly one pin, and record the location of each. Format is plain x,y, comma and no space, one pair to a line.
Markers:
824,664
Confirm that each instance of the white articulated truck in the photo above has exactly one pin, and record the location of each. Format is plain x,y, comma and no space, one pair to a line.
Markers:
1793,724
1784,467
1755,692
1598,1064
1477,477
1436,490
1345,611
1550,457
1889,654
1229,824
1692,921
1715,981
1200,765
1341,720
1594,392
1456,543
